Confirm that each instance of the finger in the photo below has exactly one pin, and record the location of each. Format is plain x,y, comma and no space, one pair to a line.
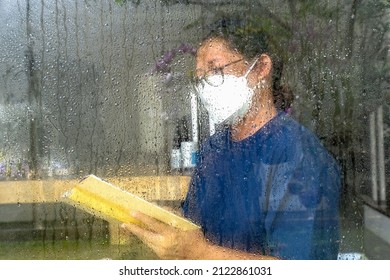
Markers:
151,239
147,236
151,223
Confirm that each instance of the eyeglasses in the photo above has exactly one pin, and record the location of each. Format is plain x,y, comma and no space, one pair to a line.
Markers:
200,76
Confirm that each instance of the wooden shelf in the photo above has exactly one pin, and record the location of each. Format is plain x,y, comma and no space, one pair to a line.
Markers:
41,191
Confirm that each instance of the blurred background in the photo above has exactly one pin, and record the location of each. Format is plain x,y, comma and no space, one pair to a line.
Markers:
102,87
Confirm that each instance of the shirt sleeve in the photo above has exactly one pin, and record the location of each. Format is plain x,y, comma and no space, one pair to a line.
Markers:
192,204
191,209
302,219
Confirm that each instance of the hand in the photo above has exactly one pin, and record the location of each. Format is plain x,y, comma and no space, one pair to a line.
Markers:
167,241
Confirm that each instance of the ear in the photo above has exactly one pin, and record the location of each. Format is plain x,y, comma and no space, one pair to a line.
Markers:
263,66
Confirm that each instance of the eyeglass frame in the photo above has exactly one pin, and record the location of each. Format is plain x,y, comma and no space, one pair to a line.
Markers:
196,81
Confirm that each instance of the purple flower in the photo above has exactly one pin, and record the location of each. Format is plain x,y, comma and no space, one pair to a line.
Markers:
187,48
163,65
169,56
2,168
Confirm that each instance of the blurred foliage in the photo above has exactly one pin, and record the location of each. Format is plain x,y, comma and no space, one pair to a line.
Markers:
122,2
165,2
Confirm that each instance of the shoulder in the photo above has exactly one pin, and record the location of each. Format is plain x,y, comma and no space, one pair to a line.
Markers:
290,139
298,133
286,129
310,154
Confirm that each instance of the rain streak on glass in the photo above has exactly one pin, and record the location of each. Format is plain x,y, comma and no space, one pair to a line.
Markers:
106,88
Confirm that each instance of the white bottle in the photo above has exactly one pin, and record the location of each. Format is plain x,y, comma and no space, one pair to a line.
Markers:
175,157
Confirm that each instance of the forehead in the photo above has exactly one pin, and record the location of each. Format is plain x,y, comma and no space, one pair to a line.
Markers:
215,50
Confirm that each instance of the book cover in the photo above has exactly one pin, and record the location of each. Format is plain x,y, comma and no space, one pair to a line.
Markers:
107,201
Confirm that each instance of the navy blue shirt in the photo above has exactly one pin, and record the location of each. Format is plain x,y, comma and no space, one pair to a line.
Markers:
274,193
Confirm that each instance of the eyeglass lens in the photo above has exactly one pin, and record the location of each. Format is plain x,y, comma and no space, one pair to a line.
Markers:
213,77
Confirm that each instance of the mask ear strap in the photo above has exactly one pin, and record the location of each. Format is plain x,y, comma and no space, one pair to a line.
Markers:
250,68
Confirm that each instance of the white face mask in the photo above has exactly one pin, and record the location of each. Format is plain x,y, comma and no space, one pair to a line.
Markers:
228,102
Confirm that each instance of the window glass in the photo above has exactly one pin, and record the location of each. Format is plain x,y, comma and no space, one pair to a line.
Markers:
128,91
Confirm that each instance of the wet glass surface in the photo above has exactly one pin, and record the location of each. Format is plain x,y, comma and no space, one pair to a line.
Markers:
104,87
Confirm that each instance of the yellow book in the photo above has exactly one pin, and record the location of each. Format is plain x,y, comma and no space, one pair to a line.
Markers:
109,202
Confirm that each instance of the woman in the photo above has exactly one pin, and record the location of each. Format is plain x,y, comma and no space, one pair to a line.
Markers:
264,188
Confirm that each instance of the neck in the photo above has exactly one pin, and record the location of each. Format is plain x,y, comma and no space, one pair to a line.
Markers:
260,113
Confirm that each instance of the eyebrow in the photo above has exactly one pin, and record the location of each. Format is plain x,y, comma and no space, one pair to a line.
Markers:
212,63
231,63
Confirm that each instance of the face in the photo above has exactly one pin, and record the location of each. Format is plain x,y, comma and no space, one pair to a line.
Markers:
215,53
230,99
223,85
